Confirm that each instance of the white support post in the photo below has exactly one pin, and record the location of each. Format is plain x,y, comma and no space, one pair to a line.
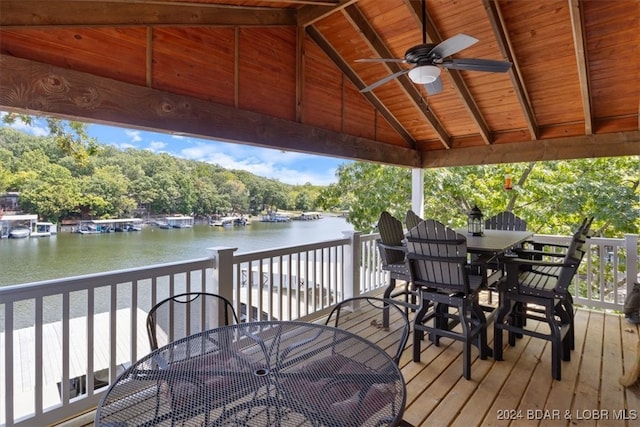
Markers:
352,265
222,273
417,191
631,248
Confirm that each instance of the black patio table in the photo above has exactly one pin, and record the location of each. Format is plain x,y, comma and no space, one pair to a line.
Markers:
274,373
494,242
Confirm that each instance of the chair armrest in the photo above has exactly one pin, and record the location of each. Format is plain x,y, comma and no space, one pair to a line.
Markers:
402,248
535,243
529,253
534,262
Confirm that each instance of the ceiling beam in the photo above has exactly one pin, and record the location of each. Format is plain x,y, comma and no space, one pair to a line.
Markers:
72,13
359,22
568,148
455,75
581,61
309,15
34,88
359,84
502,38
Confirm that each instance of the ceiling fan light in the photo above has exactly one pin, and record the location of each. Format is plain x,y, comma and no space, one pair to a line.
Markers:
424,74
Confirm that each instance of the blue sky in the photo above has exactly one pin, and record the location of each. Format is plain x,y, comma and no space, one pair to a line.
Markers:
287,167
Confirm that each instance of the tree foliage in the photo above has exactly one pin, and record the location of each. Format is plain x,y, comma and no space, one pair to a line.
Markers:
109,183
552,197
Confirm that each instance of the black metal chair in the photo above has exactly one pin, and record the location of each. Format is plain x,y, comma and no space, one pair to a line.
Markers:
185,314
392,249
439,267
539,289
387,325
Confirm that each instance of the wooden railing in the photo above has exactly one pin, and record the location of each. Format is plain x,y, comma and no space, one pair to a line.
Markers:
63,341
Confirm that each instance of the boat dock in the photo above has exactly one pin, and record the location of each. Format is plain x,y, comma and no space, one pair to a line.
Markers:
97,226
21,226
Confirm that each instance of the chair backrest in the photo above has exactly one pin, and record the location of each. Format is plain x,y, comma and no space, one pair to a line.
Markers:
505,221
374,314
412,219
437,257
391,234
573,257
186,314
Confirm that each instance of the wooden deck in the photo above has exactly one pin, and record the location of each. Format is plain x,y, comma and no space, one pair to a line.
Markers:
519,390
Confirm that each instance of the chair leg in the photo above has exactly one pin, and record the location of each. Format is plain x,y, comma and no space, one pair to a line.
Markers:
556,342
504,310
480,320
418,334
466,342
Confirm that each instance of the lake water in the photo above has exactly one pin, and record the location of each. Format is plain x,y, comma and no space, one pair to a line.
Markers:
73,254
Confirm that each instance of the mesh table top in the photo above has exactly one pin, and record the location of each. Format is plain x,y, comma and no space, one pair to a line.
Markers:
259,374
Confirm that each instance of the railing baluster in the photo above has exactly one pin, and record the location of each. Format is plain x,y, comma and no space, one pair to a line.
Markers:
312,276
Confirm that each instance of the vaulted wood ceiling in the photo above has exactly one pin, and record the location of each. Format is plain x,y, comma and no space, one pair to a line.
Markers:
283,74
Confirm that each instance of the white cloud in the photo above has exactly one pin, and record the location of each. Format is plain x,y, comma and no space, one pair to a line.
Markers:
156,146
134,135
36,128
267,163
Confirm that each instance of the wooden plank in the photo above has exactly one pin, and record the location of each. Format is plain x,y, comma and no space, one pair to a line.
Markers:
630,337
599,145
587,395
560,399
506,406
611,392
117,103
18,13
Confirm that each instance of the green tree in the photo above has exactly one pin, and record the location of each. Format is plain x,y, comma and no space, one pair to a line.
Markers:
552,196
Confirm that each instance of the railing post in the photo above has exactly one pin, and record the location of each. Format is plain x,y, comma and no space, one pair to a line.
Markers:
222,270
352,264
631,247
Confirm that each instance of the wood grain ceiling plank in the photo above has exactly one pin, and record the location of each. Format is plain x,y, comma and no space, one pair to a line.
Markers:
46,13
335,57
504,42
613,50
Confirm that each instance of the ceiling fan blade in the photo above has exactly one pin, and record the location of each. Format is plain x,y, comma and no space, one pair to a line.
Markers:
385,80
434,87
453,45
472,64
380,60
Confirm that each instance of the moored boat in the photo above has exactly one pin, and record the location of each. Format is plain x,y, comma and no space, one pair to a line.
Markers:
19,232
17,226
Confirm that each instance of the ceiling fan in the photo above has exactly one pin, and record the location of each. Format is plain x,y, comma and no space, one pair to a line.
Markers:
428,58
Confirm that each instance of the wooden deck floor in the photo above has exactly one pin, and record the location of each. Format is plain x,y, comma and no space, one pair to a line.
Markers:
519,391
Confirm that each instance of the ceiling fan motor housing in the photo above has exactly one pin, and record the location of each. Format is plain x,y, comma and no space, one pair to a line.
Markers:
419,54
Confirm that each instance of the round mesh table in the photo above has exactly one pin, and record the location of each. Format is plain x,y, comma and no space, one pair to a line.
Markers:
259,374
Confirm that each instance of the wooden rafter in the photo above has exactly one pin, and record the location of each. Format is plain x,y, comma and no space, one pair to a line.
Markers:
497,23
308,15
353,77
358,20
456,77
581,62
